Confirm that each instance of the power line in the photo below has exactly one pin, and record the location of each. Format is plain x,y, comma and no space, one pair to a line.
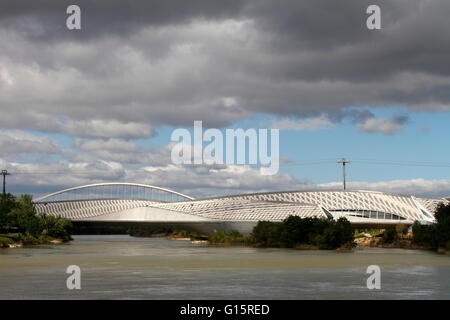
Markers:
323,161
376,162
404,163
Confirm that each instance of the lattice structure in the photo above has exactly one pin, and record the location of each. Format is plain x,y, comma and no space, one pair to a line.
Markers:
357,206
81,209
245,210
103,191
397,207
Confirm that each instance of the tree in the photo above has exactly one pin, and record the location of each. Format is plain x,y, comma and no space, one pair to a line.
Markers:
55,227
442,229
7,203
327,234
292,232
23,217
424,235
336,234
390,234
267,233
434,235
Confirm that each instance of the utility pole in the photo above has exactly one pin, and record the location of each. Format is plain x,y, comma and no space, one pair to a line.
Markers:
344,162
5,173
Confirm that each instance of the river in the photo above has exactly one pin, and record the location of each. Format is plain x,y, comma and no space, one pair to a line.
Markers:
123,267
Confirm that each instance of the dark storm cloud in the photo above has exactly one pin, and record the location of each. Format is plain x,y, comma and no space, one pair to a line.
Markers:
329,39
110,17
172,62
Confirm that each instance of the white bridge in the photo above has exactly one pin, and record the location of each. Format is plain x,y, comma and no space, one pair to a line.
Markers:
139,203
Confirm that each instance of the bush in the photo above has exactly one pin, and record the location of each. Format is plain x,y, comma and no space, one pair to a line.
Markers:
442,228
20,215
227,237
5,241
7,203
327,234
23,217
424,235
401,229
435,235
267,233
336,234
390,235
55,227
293,231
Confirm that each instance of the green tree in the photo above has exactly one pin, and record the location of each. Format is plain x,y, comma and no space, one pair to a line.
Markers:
390,234
55,227
23,217
424,235
7,203
292,231
336,234
267,233
434,235
442,229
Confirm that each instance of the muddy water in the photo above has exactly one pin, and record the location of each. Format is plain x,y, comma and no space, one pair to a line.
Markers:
123,267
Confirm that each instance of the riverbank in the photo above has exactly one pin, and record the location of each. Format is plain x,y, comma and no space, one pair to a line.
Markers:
377,242
229,239
20,240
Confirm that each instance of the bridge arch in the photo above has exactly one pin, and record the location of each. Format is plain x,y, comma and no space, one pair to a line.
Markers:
115,190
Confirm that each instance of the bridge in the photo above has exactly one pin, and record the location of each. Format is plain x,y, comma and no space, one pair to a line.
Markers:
140,203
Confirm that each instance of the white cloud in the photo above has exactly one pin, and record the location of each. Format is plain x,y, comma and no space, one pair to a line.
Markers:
198,181
308,124
419,186
381,125
106,129
115,145
16,142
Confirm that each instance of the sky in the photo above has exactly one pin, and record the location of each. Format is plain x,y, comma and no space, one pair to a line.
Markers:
99,104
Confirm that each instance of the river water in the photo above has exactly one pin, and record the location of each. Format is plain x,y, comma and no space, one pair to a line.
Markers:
123,267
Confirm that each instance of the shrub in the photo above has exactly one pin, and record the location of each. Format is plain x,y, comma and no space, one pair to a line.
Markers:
327,234
442,227
267,233
23,217
424,235
390,235
336,234
5,241
19,214
401,229
435,235
7,203
55,227
226,237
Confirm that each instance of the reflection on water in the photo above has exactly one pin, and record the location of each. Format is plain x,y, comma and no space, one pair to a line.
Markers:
123,267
